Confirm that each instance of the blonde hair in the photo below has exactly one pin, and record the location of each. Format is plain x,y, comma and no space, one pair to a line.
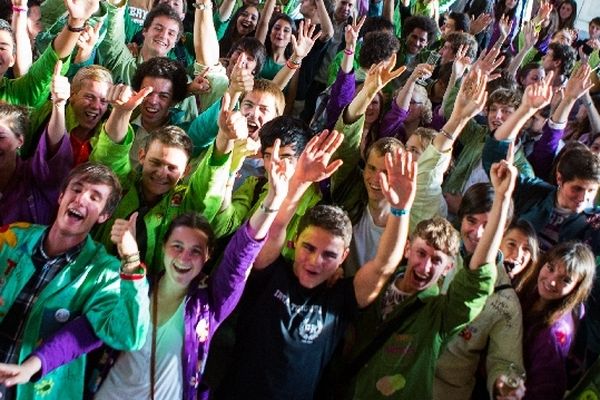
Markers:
266,86
439,234
94,72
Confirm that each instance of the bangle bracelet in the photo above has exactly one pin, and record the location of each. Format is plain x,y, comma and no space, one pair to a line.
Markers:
348,52
19,9
268,210
291,65
139,274
398,212
446,134
76,29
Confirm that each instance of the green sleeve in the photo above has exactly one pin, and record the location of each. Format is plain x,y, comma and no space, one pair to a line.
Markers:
523,164
204,128
114,155
207,185
228,220
466,297
428,199
112,51
33,88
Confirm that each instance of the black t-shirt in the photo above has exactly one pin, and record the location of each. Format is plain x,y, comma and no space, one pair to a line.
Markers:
286,334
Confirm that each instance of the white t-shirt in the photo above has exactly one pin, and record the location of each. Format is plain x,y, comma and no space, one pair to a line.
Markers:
129,378
367,236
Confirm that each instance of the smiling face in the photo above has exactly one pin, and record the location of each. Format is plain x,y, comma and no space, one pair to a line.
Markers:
9,143
497,114
416,40
471,230
554,283
258,108
576,194
375,164
281,34
186,252
318,255
162,167
424,267
160,37
81,206
7,56
516,251
565,11
89,103
155,107
247,21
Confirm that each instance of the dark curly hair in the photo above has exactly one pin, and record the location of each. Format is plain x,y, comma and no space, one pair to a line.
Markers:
425,23
377,46
163,67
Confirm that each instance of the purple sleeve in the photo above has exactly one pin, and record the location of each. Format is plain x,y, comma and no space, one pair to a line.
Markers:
342,92
393,123
51,169
229,279
544,150
438,121
72,341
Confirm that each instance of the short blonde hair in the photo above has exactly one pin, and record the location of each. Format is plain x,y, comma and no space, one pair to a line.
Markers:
439,234
266,86
94,72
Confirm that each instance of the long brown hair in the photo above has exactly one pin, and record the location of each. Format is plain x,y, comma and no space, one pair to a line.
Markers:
578,261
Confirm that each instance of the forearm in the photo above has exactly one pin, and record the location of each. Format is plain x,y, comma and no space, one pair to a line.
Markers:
561,114
226,10
487,248
359,105
284,76
513,124
592,113
405,94
516,63
66,40
388,10
23,52
452,128
56,126
117,125
265,214
324,20
206,44
347,64
263,24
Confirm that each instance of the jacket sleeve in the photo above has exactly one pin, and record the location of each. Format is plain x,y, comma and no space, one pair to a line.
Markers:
204,128
114,155
342,92
49,170
74,340
228,220
228,280
544,149
392,121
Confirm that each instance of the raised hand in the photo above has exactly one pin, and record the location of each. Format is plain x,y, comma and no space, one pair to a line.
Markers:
488,62
531,35
461,61
81,9
280,172
544,12
472,95
123,235
313,164
480,23
579,83
241,79
13,374
124,98
243,148
421,71
200,84
306,39
352,30
504,174
505,25
539,94
381,74
60,89
87,41
399,185
232,123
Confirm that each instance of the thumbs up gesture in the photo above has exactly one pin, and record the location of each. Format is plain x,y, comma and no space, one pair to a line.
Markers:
60,89
123,235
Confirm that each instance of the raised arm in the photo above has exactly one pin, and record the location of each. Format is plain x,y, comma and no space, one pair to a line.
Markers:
225,10
313,166
232,126
421,71
503,176
60,91
324,20
302,46
123,100
531,36
379,75
536,96
23,52
592,112
262,30
206,44
399,186
79,12
351,37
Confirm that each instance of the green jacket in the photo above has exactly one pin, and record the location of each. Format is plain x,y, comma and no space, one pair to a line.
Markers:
33,88
404,367
203,194
117,309
472,138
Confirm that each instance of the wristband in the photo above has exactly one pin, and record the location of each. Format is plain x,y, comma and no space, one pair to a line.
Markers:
398,212
76,29
267,210
19,9
291,65
348,52
446,134
203,6
139,274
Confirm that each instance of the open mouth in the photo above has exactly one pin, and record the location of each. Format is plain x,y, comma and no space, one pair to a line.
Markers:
252,127
160,42
181,269
75,214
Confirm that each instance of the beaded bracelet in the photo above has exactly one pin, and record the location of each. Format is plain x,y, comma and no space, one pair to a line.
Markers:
398,212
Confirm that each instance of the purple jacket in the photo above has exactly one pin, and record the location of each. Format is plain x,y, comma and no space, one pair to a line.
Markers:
393,123
545,359
32,192
206,306
544,150
342,93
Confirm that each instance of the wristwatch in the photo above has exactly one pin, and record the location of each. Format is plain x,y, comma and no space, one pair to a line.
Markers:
203,6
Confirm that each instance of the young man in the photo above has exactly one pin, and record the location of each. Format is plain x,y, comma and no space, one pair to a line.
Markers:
52,275
559,59
291,321
153,190
33,88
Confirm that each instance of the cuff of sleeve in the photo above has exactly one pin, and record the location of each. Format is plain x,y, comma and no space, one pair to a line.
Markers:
557,125
43,370
216,160
105,140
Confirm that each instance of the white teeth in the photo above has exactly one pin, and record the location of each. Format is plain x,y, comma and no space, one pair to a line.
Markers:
91,114
151,109
74,212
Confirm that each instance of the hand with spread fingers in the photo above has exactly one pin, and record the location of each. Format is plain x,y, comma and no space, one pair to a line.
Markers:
124,98
461,61
314,163
303,44
539,94
81,10
399,183
87,41
480,23
381,74
352,31
472,95
579,83
488,61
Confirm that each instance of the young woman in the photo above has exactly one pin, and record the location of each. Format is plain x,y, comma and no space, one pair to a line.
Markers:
520,248
552,296
567,12
242,24
186,308
505,24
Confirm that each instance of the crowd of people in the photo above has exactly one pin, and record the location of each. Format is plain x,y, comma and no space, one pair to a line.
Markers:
299,199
